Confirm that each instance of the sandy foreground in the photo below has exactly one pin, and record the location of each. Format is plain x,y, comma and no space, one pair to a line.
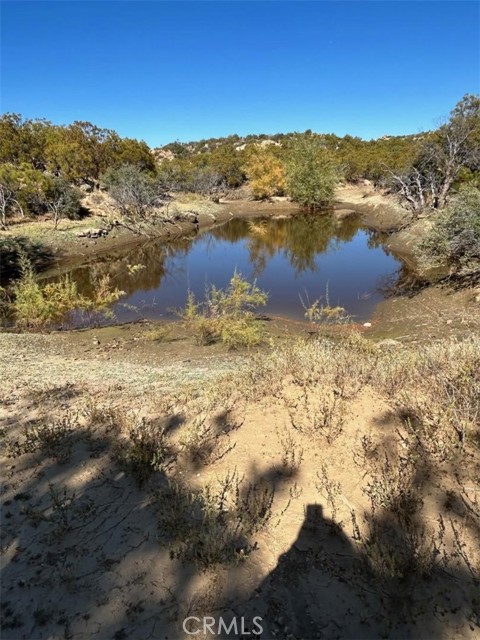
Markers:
92,548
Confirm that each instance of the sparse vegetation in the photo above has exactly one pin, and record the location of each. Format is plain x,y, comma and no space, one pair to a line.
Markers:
53,438
137,194
396,484
226,315
292,453
455,235
144,450
320,312
215,525
36,307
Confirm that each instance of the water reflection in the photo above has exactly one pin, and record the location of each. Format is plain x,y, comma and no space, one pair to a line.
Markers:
288,256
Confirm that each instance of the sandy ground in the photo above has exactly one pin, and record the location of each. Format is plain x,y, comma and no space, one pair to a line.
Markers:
84,555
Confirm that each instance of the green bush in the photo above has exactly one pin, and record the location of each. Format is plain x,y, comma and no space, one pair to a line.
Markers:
226,315
62,200
37,306
311,174
455,236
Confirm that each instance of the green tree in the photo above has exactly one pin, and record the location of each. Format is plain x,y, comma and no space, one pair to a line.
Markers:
311,174
23,190
134,152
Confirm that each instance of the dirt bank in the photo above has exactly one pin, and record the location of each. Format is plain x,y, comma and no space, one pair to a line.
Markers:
78,241
100,232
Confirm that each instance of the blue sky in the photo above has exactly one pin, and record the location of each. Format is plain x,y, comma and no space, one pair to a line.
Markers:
162,71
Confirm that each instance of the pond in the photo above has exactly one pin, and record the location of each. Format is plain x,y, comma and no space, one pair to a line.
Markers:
296,260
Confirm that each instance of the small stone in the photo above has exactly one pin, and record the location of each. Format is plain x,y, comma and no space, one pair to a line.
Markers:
388,342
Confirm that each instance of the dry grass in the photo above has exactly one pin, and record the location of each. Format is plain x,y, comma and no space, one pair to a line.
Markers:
214,525
386,441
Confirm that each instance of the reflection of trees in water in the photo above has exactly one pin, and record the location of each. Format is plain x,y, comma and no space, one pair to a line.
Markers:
300,239
376,239
158,260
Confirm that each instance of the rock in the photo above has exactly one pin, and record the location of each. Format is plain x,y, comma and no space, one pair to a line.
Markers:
93,233
388,343
367,324
192,217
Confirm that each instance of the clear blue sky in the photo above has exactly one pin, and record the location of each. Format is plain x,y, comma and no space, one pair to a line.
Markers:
162,71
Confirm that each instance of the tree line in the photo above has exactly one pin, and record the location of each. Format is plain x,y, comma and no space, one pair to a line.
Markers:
422,169
42,165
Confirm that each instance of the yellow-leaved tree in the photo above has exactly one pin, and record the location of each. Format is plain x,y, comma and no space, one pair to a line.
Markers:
266,172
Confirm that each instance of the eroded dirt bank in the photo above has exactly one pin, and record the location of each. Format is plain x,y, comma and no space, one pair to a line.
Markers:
80,241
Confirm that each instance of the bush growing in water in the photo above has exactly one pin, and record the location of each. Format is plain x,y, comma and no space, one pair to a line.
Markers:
51,305
226,315
455,236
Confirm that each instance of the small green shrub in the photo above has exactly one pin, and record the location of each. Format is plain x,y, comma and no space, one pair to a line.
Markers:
160,333
321,312
455,236
239,333
226,315
37,306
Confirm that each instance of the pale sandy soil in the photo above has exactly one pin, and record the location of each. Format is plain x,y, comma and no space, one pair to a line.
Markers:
84,554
